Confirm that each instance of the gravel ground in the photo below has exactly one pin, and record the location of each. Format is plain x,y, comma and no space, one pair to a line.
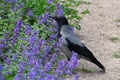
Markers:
98,29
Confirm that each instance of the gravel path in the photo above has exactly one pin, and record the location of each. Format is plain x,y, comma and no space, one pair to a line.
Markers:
101,31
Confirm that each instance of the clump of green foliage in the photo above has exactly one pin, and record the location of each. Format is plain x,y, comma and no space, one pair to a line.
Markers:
114,39
26,38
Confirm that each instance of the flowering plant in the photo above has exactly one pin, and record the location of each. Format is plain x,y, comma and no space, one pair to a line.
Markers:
29,49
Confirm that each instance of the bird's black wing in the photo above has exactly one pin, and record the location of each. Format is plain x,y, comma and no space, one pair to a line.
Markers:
80,49
83,51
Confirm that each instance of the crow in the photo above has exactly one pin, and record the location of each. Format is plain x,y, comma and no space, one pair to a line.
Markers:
71,42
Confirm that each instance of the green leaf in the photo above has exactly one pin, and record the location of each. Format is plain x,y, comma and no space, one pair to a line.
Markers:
85,12
78,27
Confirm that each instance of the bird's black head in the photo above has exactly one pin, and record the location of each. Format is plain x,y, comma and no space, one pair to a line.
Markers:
61,20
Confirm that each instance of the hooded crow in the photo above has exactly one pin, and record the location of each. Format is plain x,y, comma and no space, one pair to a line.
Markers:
71,42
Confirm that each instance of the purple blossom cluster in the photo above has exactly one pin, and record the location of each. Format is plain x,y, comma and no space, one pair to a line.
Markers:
4,46
39,63
67,67
1,75
30,13
44,18
17,31
1,52
15,4
50,1
35,53
59,10
36,60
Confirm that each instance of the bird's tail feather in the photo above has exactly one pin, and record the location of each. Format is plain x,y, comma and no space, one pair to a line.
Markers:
92,58
98,64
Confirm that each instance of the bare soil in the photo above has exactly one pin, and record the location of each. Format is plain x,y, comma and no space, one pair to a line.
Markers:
99,30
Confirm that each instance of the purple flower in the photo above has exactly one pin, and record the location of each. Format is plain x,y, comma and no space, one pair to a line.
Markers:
33,72
21,6
60,40
50,1
48,66
47,49
52,37
15,1
15,57
28,30
1,68
68,72
7,0
32,40
6,37
59,72
50,77
56,46
37,64
1,76
61,64
54,56
40,78
74,61
44,18
8,61
58,6
59,44
42,42
52,29
36,50
30,12
1,46
19,23
42,73
8,72
36,34
22,66
17,31
61,12
39,17
31,59
76,77
17,77
20,76
40,22
31,75
13,8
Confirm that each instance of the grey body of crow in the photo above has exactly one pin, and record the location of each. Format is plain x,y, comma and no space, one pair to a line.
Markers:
72,43
68,34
